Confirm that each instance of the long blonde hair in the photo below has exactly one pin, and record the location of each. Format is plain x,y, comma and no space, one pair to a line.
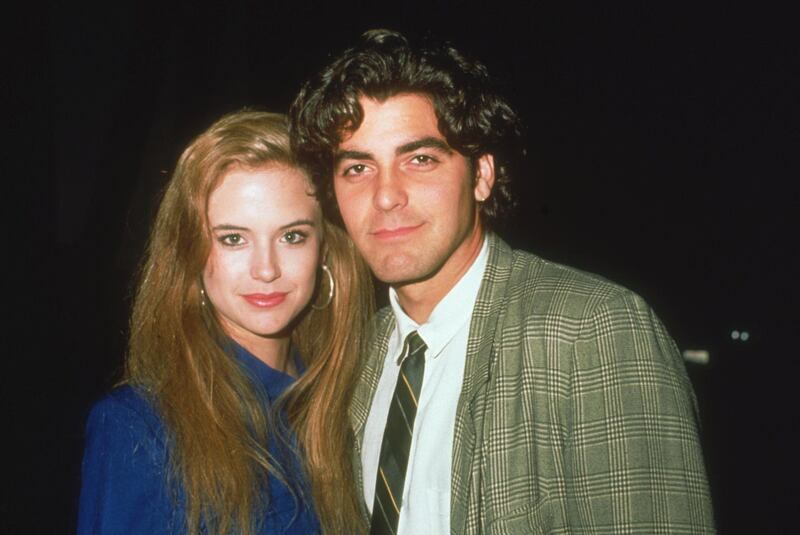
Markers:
217,424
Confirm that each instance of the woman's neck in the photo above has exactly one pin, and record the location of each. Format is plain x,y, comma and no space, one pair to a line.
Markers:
274,352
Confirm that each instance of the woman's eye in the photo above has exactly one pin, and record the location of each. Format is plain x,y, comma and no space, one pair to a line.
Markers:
294,236
231,239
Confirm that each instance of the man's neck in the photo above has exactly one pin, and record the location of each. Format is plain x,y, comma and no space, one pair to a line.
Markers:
418,299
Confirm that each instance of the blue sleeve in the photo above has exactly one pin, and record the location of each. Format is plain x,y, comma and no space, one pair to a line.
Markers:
123,480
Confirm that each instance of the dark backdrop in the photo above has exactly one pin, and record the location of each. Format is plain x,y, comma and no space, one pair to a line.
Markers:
659,141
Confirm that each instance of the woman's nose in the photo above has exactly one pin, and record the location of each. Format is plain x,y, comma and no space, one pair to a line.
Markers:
265,265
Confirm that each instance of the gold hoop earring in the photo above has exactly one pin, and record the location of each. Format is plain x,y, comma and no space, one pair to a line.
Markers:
332,284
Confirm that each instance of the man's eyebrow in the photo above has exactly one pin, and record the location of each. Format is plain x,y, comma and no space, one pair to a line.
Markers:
426,142
351,155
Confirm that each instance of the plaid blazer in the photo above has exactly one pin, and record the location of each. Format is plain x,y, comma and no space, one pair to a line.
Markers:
576,414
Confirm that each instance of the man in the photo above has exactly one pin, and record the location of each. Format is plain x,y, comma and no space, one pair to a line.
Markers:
502,393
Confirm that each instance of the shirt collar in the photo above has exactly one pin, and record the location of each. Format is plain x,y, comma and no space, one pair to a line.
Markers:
273,381
449,315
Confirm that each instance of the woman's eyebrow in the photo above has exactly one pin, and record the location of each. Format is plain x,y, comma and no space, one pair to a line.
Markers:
226,226
299,222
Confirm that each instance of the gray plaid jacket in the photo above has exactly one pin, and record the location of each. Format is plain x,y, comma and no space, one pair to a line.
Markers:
575,415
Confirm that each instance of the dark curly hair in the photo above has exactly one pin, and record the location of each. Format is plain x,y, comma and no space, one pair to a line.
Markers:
474,119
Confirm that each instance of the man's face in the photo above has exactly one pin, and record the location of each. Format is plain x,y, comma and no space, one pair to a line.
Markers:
407,199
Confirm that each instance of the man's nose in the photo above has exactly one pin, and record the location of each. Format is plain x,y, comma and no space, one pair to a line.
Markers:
390,192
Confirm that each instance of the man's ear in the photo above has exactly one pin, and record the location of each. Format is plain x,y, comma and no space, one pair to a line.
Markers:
484,177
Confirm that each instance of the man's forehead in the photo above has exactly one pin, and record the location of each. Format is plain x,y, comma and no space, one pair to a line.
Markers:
399,118
419,105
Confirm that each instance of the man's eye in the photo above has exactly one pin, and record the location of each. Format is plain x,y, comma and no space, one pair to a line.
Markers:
355,169
423,159
294,237
231,239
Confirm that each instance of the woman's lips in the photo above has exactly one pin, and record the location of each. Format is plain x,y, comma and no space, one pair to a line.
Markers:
265,300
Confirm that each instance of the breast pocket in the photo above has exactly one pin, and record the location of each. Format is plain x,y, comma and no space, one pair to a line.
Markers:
532,518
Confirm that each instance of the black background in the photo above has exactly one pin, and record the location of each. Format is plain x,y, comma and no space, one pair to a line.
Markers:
662,140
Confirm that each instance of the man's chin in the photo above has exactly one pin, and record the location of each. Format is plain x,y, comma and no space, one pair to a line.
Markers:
401,270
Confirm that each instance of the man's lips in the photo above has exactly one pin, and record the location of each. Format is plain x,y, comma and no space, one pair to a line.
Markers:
265,300
396,232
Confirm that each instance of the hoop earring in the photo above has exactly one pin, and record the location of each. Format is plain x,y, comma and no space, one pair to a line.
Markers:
332,284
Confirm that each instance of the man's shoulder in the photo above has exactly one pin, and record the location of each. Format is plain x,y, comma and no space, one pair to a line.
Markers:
539,285
556,309
548,274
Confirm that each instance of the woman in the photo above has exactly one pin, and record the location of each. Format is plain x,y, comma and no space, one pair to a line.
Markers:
235,308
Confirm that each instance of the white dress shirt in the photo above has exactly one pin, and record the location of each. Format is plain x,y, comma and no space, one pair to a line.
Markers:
426,493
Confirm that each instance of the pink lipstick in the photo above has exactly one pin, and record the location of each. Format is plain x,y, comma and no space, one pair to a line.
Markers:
265,300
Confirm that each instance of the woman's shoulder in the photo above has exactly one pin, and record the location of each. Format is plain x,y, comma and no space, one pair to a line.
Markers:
125,467
125,412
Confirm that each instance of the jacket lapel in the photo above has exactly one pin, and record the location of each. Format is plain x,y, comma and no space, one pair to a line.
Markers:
465,479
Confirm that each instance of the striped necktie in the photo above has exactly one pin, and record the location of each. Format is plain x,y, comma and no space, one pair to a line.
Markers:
397,439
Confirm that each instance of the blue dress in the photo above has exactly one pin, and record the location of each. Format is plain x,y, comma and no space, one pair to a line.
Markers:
123,486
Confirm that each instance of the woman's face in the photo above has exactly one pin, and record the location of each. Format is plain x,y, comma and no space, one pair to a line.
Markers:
266,232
